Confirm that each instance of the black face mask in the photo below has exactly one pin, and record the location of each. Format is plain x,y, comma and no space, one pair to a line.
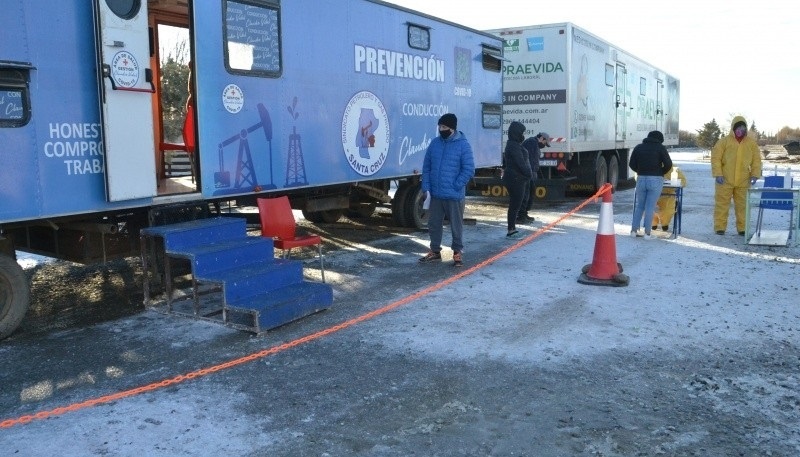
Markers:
445,134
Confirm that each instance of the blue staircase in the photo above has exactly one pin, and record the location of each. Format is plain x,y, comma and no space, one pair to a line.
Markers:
259,292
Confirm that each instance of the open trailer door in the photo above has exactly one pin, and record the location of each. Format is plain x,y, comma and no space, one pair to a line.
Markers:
126,88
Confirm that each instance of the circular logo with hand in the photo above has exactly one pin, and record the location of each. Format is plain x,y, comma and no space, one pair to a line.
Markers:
365,133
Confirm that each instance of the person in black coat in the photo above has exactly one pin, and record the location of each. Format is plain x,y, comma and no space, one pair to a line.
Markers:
533,145
516,174
650,160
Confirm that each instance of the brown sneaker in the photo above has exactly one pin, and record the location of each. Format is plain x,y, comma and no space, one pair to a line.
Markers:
457,261
431,257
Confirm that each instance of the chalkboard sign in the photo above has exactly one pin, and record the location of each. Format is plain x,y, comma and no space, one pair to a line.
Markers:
252,35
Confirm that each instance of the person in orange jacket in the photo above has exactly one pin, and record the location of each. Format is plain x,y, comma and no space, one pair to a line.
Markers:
735,165
665,206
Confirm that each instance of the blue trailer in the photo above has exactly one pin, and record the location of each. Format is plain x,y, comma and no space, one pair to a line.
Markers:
326,101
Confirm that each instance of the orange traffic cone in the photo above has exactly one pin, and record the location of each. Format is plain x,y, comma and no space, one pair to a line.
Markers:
604,269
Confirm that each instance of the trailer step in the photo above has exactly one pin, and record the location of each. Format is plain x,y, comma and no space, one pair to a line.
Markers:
240,282
257,291
185,235
223,255
279,307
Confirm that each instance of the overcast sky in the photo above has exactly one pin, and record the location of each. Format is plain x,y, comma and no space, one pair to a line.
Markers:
732,57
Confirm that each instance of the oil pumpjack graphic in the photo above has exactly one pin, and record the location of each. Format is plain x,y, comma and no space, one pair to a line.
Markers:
245,171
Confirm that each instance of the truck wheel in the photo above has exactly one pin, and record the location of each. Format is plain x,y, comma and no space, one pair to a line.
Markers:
613,171
14,295
399,206
416,217
600,172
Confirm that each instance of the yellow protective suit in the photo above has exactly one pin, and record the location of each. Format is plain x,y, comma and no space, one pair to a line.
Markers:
736,161
665,206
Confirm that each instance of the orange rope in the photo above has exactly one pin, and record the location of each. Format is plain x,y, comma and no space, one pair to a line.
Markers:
8,423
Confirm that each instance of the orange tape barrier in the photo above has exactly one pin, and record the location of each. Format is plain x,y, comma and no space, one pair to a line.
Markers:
308,338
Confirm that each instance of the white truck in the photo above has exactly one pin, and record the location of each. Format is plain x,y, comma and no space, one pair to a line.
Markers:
596,101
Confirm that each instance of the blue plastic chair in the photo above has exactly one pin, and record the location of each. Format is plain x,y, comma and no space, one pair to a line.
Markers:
775,199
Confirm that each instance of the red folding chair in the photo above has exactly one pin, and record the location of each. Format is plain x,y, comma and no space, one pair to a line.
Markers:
277,222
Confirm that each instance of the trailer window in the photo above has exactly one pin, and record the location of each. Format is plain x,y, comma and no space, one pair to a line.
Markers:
15,107
491,114
642,86
610,78
492,58
252,37
419,37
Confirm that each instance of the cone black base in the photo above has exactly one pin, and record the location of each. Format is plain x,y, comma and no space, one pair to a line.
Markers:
619,280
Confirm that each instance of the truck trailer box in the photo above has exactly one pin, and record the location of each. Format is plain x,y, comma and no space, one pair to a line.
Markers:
594,99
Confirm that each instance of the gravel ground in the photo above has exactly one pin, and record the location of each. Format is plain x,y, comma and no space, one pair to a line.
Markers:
698,356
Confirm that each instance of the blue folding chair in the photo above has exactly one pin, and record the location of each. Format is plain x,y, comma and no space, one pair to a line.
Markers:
775,199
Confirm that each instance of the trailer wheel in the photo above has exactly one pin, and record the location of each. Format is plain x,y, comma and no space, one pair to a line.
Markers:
328,216
14,295
416,217
613,171
332,215
312,216
398,204
361,210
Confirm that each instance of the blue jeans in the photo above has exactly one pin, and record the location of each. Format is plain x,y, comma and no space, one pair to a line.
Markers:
648,189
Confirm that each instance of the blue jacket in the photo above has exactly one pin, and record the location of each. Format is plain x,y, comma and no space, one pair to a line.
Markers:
448,167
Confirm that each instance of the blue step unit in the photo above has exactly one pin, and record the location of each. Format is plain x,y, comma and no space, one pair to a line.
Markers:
214,256
239,283
188,234
259,291
281,306
223,255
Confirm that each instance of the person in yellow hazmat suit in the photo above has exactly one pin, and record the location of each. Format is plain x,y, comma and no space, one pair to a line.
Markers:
735,165
665,206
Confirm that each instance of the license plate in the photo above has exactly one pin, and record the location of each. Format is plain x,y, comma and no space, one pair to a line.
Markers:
548,163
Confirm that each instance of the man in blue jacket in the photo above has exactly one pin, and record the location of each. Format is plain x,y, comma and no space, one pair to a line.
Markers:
447,169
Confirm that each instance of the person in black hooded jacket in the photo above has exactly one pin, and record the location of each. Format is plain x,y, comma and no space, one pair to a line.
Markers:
516,174
650,160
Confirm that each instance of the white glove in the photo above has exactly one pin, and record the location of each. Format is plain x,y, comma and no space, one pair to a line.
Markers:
427,203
